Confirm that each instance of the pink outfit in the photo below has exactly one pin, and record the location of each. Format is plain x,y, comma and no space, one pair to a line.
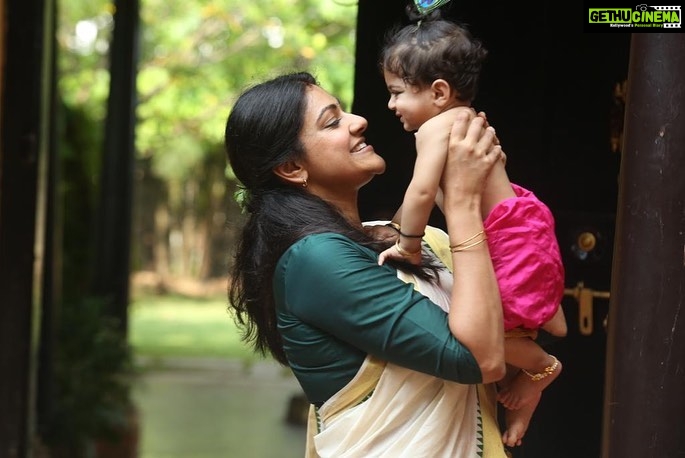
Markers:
526,258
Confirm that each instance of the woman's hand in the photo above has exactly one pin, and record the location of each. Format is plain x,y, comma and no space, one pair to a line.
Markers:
475,315
473,151
436,130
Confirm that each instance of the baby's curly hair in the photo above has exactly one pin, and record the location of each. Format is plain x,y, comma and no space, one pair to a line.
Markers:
432,49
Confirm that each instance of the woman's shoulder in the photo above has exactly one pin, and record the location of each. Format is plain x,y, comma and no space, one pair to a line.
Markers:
322,248
330,262
321,241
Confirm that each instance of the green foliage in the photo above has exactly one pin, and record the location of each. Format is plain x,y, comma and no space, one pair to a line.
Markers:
195,57
79,142
83,35
94,373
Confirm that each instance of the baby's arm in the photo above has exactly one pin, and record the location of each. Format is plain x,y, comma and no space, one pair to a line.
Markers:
431,151
416,207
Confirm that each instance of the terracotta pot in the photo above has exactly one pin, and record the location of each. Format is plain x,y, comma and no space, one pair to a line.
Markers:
128,443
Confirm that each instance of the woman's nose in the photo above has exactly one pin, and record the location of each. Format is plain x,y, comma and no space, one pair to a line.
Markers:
358,124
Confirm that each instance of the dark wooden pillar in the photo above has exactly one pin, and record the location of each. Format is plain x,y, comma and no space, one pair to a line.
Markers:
26,49
111,270
644,409
52,278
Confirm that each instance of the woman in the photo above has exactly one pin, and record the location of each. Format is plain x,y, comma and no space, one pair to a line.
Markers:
388,371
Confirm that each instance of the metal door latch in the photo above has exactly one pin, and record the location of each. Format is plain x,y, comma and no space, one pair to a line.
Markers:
585,297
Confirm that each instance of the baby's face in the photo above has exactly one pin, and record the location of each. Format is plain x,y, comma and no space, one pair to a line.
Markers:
412,104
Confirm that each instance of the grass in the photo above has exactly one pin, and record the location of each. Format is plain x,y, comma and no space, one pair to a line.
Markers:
179,326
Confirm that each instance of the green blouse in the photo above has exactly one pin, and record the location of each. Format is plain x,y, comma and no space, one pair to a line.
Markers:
335,305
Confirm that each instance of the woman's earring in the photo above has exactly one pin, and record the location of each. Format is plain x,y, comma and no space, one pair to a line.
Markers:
304,182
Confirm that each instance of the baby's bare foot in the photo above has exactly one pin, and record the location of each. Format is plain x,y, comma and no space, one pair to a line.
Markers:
517,422
526,386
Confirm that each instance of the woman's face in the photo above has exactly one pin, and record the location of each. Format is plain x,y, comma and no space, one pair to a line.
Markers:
337,158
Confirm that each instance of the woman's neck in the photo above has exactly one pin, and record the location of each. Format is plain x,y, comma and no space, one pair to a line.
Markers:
348,208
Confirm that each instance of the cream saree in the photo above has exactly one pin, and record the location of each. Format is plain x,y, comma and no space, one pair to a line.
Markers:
389,411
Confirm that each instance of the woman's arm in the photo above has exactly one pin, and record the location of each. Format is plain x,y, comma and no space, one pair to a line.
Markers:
332,286
475,316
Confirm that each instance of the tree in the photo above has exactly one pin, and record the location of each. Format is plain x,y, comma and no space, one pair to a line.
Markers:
196,56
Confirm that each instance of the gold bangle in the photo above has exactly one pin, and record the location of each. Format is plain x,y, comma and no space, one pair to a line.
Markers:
395,226
457,245
459,248
404,253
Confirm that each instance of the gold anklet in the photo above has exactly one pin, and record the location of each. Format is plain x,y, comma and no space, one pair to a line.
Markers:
548,371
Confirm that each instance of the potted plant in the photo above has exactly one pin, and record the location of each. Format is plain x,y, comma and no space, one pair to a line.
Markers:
92,413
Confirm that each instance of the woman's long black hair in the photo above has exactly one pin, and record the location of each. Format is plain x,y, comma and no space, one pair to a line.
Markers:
262,132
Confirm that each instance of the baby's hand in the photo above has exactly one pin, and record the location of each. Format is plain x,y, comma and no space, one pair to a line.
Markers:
393,253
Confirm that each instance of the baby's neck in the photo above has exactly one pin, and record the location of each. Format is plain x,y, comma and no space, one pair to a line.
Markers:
457,104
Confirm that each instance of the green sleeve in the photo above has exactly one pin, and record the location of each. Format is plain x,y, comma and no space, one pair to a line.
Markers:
330,284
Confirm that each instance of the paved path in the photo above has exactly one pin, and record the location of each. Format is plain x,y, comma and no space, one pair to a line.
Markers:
209,408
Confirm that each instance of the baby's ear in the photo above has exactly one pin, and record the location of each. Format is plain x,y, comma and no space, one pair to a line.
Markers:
443,92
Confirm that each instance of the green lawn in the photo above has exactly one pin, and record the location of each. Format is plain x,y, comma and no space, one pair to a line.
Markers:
177,326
